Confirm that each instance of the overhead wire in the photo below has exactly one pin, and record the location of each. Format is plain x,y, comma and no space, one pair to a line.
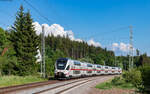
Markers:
36,10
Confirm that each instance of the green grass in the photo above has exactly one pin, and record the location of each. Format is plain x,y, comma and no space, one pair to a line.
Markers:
18,80
105,85
125,86
115,84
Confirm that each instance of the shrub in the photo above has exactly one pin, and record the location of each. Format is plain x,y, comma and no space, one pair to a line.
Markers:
134,76
127,76
117,81
145,70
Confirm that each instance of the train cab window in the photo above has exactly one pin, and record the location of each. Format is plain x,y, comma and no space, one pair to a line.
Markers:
106,67
68,67
61,64
77,63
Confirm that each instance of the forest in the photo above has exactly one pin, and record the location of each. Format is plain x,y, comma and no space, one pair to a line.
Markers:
19,45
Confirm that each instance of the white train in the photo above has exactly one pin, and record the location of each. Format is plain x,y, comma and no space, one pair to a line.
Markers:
68,68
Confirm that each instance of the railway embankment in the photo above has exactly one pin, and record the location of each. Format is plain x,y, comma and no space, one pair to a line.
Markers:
133,81
56,86
19,80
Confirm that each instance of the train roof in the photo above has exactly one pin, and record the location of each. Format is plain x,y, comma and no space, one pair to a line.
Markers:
88,63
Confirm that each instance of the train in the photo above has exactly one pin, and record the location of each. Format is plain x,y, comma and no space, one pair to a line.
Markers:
68,68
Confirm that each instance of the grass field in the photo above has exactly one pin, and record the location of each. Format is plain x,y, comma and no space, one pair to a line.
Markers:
115,84
17,80
109,85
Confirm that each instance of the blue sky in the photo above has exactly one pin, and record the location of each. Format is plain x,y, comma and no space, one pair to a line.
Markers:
104,21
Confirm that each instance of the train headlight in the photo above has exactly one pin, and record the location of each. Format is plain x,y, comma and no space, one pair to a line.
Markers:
65,72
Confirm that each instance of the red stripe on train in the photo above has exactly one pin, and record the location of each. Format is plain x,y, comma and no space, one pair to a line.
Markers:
93,70
87,69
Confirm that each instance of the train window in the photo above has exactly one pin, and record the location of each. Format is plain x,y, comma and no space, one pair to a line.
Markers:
113,68
106,67
76,72
89,71
98,66
98,71
89,65
68,67
77,63
61,64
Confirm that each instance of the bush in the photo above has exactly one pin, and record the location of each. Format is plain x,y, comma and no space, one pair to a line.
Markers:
117,81
134,76
145,70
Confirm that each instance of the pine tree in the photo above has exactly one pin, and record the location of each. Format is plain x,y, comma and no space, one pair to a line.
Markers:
25,42
16,34
31,42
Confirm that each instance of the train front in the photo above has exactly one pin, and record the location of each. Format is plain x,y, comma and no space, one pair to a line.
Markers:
60,68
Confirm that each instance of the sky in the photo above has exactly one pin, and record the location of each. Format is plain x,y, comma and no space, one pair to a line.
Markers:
102,23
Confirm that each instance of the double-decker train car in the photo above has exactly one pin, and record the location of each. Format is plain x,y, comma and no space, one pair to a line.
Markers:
68,68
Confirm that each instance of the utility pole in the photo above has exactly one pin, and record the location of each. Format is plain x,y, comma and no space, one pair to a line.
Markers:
131,48
43,53
104,63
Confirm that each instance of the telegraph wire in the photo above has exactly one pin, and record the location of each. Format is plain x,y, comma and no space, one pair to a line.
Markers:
108,32
36,10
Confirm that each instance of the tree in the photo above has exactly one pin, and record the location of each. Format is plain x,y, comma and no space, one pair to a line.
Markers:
137,52
86,59
144,59
25,42
3,37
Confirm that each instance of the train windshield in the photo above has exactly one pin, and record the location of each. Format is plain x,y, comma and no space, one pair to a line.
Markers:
61,64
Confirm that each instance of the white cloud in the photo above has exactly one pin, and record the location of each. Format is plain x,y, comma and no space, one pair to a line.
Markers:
54,29
115,44
57,29
37,27
122,47
92,42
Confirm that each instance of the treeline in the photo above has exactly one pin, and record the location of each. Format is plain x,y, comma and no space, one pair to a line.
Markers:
80,50
138,60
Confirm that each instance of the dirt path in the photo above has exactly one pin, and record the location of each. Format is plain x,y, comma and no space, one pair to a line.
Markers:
88,88
111,91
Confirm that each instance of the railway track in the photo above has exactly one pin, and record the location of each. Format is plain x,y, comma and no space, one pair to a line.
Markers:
9,89
46,87
53,89
65,87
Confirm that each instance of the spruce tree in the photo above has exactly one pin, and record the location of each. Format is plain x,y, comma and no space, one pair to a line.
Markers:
25,42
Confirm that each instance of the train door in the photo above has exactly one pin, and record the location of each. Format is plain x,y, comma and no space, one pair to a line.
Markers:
109,70
102,70
77,69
